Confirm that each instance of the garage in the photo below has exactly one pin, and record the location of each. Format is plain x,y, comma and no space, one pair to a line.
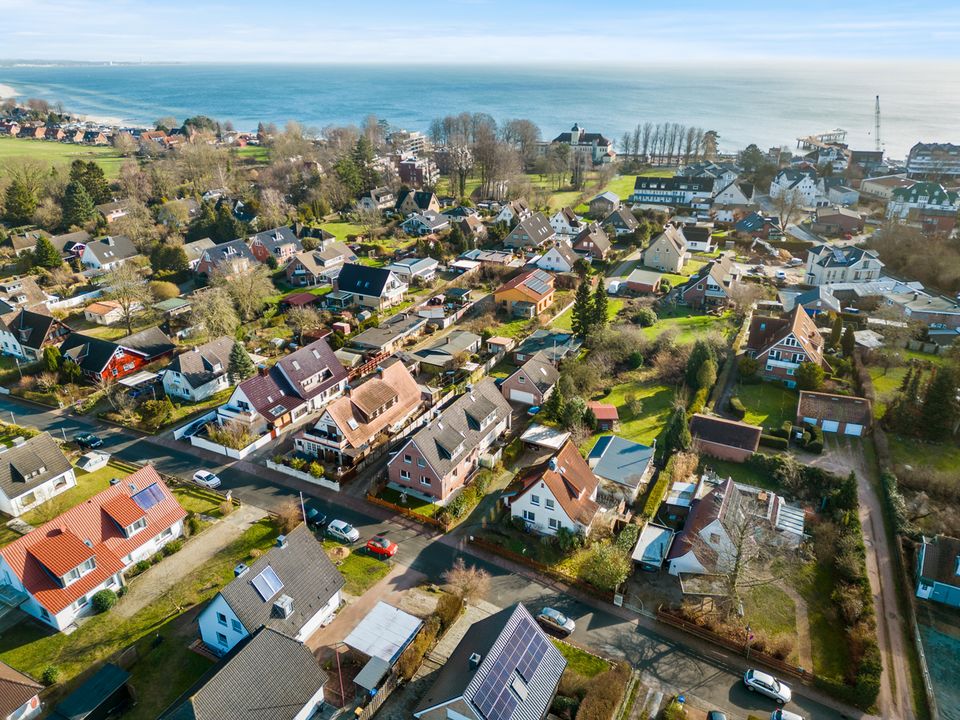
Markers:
521,396
843,414
853,429
830,426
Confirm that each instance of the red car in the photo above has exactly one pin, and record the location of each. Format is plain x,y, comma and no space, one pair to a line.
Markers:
382,547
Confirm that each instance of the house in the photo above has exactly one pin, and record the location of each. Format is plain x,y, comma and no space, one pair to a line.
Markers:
592,242
424,223
113,210
781,344
19,695
802,182
608,418
527,294
496,258
418,172
105,359
734,194
280,243
699,238
106,312
95,137
675,191
380,198
928,205
644,281
291,589
370,287
505,661
349,427
318,267
513,212
667,252
714,285
54,133
447,352
841,194
10,128
20,292
228,258
559,258
71,245
532,382
816,301
298,384
31,331
531,232
108,252
414,269
722,173
416,201
390,335
31,473
622,221
558,493
26,241
827,264
603,204
837,221
841,414
566,223
472,227
61,565
934,160
441,457
593,148
623,467
724,439
938,570
557,344
251,681
882,187
199,373
194,251
759,226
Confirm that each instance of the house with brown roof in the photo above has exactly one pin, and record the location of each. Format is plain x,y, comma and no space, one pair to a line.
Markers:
32,472
843,414
19,695
58,567
526,295
350,426
318,267
558,493
724,439
714,284
781,344
533,382
31,331
667,252
106,312
592,242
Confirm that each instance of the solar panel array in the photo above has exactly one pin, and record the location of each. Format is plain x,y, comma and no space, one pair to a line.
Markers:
523,653
267,583
539,282
148,497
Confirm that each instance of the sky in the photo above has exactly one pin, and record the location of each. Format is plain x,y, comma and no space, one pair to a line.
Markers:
477,31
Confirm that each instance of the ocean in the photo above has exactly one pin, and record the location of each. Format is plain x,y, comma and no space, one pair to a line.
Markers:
766,104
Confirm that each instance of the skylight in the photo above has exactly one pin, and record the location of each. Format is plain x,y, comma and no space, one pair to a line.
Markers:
267,583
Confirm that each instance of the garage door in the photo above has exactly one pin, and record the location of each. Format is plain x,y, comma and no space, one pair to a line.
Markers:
853,429
830,426
521,397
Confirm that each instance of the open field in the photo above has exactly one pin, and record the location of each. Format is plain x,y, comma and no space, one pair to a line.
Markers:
56,153
938,456
689,324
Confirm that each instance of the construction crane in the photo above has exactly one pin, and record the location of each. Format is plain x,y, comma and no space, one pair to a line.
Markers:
876,125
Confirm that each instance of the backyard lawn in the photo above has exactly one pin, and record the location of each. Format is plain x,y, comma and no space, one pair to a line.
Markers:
656,402
342,229
690,324
563,322
768,404
56,153
815,583
740,472
886,382
938,456
770,610
360,569
580,661
256,153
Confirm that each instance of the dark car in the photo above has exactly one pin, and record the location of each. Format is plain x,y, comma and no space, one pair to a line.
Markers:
88,440
315,518
716,715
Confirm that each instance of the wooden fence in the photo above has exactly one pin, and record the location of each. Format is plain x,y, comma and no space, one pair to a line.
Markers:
408,513
383,692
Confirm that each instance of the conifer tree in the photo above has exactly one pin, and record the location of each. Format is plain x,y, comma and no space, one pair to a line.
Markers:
582,310
77,206
45,254
600,306
940,409
848,342
836,331
240,366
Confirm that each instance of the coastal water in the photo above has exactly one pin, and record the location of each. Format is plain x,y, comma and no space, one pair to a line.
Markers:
766,104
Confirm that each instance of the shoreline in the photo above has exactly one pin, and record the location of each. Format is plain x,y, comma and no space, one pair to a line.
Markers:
6,91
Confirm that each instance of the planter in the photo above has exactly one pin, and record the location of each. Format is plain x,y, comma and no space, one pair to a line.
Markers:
305,476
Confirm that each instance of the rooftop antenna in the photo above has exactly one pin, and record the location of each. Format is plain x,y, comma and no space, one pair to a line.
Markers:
876,125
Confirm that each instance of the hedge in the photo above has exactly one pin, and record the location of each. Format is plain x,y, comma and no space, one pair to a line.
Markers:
775,442
737,408
658,492
604,693
816,442
699,401
784,430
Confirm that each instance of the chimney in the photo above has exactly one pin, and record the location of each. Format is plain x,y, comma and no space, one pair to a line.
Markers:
475,661
240,570
552,464
281,541
283,606
262,369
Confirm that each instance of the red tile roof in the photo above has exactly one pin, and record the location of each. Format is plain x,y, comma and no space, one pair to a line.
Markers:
570,480
28,556
603,411
124,510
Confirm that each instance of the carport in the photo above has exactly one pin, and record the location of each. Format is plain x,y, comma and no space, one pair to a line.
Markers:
102,696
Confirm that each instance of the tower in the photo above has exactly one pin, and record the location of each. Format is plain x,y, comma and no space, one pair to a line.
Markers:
876,125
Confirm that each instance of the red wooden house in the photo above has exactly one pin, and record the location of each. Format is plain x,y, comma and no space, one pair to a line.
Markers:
105,359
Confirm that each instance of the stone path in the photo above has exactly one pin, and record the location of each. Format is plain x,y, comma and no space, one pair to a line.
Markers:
158,580
804,646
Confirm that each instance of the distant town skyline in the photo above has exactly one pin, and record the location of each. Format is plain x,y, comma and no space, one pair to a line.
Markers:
476,31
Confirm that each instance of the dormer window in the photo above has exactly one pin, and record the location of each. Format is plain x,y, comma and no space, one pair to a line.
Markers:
88,566
136,527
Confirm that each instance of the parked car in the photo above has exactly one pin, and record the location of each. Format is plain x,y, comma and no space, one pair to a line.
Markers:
206,478
88,440
343,531
781,275
315,518
91,461
794,262
551,619
781,714
716,715
533,410
757,681
382,547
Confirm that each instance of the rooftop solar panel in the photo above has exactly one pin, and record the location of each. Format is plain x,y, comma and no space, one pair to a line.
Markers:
148,497
267,583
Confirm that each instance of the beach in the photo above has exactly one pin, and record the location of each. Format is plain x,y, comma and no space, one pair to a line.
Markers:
7,92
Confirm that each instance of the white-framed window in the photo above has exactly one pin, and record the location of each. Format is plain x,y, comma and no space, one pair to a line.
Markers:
404,474
535,500
81,602
424,480
136,527
407,459
78,572
554,524
166,533
421,462
550,504
521,380
529,516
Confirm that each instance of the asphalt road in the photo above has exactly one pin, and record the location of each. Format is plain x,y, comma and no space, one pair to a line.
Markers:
709,678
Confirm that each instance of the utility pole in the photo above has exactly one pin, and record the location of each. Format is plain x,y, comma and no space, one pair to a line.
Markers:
876,125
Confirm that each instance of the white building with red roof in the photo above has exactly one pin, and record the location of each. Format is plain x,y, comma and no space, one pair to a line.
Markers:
57,568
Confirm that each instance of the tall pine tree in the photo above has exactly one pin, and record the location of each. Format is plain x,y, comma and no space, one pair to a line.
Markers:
582,310
78,208
698,356
836,331
45,254
240,366
940,409
21,202
848,343
600,306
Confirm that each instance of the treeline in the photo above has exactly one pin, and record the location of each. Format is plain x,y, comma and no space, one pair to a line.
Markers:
933,260
666,143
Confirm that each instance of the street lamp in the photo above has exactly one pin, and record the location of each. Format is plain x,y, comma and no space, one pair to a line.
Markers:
749,638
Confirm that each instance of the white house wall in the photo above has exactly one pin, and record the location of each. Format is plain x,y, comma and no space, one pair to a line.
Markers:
233,630
42,493
542,514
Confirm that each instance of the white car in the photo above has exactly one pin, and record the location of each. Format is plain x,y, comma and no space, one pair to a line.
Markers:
207,479
757,681
343,531
93,460
782,714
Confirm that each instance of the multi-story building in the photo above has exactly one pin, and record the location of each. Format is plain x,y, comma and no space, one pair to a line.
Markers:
675,191
933,160
781,344
828,264
593,147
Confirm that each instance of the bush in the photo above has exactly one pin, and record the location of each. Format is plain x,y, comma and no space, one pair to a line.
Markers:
606,566
674,711
604,693
298,463
628,537
194,524
815,445
412,657
645,317
50,675
699,400
784,430
565,707
142,566
449,607
737,407
103,600
772,441
315,469
174,546
658,491
226,507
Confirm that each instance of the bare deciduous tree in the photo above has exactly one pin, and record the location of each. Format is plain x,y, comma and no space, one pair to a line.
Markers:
129,290
467,582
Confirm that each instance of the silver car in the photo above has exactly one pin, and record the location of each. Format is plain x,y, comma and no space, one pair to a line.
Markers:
768,685
555,620
207,479
343,531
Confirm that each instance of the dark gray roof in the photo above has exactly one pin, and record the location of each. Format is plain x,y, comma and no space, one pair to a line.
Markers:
270,677
362,279
308,577
833,256
91,353
151,343
533,230
112,248
311,369
205,362
27,466
31,327
277,238
459,426
541,371
622,218
225,252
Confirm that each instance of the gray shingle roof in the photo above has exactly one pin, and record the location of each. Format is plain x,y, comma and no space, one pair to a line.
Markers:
308,577
273,240
112,248
28,466
271,677
150,343
541,371
205,362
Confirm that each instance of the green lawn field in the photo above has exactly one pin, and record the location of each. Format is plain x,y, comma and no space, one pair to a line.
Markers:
56,153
